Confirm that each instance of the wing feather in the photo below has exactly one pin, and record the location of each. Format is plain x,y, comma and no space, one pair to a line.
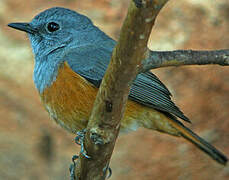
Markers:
147,89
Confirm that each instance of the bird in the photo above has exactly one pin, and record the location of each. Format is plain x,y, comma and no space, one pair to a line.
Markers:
71,58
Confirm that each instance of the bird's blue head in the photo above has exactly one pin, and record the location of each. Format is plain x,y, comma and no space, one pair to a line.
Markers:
52,34
56,28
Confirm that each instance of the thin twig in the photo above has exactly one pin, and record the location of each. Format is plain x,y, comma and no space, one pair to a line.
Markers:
157,59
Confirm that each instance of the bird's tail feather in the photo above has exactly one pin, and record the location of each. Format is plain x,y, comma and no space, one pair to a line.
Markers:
199,142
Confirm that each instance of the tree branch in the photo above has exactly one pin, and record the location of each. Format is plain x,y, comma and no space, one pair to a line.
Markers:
104,123
157,59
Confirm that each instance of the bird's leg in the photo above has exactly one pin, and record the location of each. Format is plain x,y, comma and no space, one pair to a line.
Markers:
108,170
79,139
72,167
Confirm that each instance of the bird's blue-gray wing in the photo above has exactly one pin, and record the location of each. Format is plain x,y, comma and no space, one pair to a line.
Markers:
91,62
147,89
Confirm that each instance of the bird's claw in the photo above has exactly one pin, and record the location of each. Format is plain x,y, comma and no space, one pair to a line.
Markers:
74,157
79,139
97,139
72,167
109,171
138,3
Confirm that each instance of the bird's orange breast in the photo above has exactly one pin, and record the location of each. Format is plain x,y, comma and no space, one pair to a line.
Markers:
70,98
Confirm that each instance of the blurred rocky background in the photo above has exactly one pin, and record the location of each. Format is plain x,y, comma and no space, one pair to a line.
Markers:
34,147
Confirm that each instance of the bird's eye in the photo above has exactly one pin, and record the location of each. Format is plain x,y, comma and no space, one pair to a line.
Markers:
52,26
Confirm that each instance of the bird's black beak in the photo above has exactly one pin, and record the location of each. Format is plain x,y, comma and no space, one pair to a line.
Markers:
26,27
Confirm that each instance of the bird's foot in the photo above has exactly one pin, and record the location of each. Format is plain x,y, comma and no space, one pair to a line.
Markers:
138,3
108,170
97,139
79,139
72,167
